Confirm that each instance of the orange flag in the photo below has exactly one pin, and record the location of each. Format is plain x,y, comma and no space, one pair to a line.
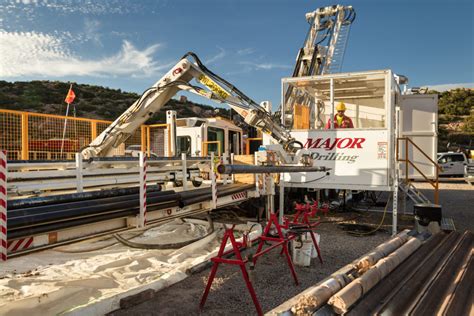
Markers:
70,96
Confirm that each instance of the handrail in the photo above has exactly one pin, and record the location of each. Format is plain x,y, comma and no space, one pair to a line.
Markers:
247,144
207,143
433,183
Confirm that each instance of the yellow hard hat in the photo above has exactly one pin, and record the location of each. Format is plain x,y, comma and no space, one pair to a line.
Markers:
341,106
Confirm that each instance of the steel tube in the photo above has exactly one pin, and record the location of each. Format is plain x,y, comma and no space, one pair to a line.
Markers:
29,231
64,207
26,224
236,169
65,198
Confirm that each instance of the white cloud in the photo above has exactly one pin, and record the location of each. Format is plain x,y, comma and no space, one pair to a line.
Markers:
44,55
216,57
245,51
264,66
83,6
449,86
91,31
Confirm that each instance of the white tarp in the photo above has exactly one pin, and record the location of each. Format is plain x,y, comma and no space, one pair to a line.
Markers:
92,283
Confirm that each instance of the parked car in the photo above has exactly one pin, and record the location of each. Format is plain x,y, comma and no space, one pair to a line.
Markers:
452,164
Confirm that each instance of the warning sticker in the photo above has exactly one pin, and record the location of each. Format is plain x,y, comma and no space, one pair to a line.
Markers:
208,82
382,150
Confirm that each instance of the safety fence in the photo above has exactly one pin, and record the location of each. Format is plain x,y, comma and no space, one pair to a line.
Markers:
36,136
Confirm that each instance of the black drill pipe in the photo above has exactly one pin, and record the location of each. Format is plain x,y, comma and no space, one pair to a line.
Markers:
51,227
169,195
152,197
237,169
72,197
42,218
68,223
40,215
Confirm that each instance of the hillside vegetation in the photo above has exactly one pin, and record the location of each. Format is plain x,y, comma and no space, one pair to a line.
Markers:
456,119
456,107
91,101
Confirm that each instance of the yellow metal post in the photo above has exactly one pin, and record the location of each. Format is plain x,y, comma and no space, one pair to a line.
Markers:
93,130
143,138
25,150
206,144
148,141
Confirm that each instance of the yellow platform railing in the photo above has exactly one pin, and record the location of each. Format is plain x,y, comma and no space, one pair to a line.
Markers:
434,183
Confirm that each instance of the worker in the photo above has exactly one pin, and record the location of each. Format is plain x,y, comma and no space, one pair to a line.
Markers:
340,119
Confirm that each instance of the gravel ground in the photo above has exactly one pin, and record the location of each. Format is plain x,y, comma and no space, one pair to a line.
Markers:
456,198
274,283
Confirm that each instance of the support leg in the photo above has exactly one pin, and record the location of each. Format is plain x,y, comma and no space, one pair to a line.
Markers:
209,283
315,242
290,263
251,290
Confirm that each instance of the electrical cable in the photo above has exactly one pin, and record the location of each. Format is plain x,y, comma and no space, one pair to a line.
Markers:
314,180
359,234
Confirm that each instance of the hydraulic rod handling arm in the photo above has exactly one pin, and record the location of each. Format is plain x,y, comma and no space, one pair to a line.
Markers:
178,78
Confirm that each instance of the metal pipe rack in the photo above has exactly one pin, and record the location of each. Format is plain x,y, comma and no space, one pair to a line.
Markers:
40,215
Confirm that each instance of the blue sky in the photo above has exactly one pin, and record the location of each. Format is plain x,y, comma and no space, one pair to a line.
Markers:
251,43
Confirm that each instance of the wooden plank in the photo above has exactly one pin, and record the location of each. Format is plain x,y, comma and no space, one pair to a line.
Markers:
244,160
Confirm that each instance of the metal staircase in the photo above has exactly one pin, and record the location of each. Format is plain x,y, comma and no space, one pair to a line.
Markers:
410,190
413,193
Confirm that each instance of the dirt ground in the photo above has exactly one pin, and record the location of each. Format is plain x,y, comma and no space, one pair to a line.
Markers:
456,198
273,283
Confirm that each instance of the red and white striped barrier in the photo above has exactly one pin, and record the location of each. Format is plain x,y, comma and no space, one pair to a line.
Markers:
142,216
240,195
3,206
20,244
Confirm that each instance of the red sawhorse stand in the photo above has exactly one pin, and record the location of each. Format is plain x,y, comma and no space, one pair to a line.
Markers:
307,211
281,240
229,234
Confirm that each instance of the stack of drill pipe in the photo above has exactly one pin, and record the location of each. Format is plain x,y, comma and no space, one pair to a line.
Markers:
381,251
345,298
45,214
316,296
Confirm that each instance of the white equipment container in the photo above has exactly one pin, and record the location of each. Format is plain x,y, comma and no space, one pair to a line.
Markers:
418,117
363,157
